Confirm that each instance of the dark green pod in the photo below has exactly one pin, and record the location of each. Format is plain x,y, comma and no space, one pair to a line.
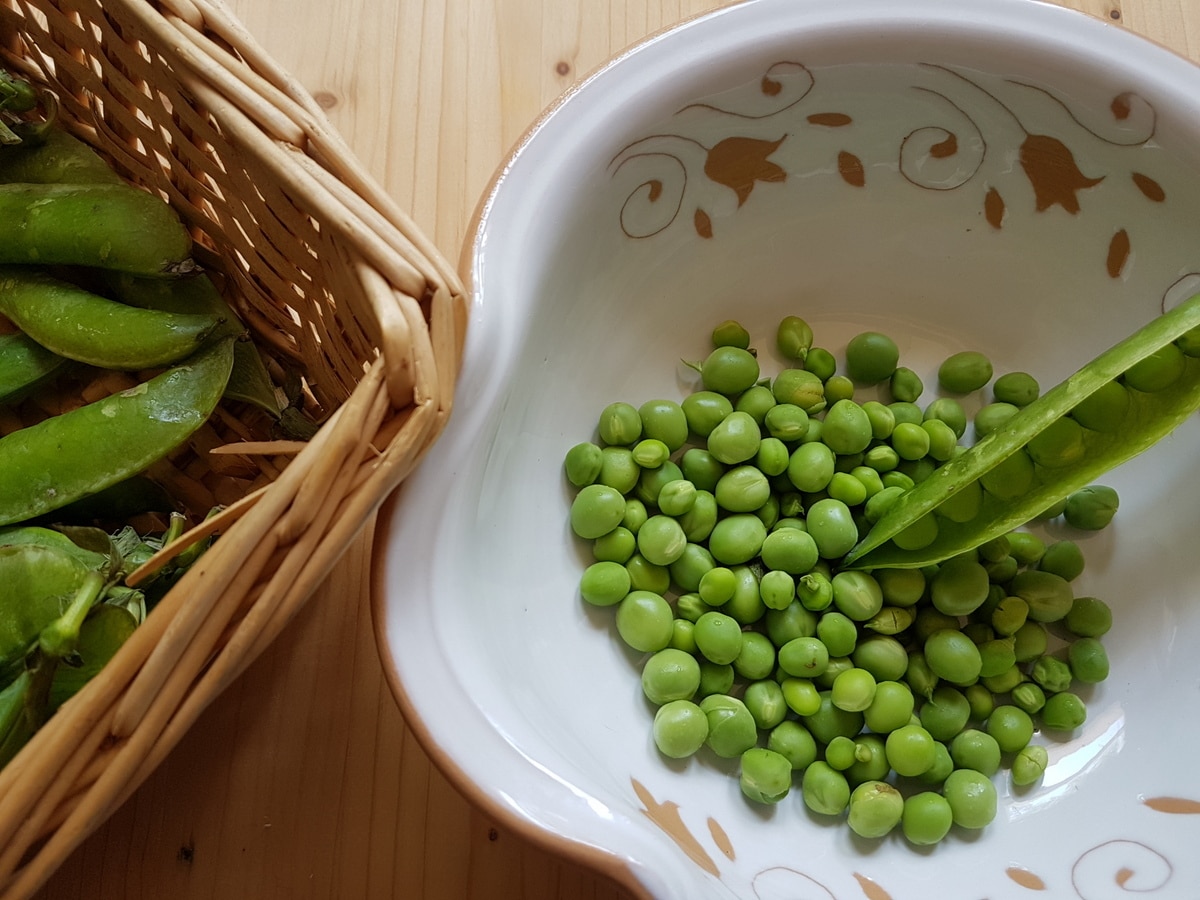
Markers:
57,157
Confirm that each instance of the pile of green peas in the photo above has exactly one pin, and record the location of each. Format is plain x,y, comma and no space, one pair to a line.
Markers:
894,696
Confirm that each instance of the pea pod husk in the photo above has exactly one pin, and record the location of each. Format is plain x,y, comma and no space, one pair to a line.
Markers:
61,459
79,325
25,364
1151,416
107,226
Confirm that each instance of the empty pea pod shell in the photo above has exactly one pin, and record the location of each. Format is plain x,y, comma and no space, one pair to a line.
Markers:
61,459
1149,417
79,325
24,364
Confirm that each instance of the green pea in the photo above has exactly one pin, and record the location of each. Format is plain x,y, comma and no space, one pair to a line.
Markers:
829,721
677,497
652,481
926,819
718,637
650,453
690,567
756,658
647,576
881,458
731,334
735,439
731,728
853,690
1027,547
1018,388
972,798
801,388
870,760
879,503
891,620
1064,711
881,655
699,521
793,621
683,635
964,372
737,538
910,750
838,633
871,357
789,550
786,421
1052,673
942,766
729,371
1029,765
811,467
838,387
1091,508
620,424
906,411
821,363
1061,443
596,510
1104,409
1088,660
992,417
846,428
742,489
644,621
959,587
661,540
857,595
792,740
945,713
832,527
920,533
1088,617
582,464
715,678
801,696
814,590
1049,596
847,488
670,674
755,402
690,607
766,776
996,657
1063,558
943,442
604,583
793,338
705,410
900,587
680,729
1011,727
804,657
1158,371
745,606
1002,571
825,789
616,546
891,708
764,698
875,808
618,469
910,441
950,411
1029,697
905,385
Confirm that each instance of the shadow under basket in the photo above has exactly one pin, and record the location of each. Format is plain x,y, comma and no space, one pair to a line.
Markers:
334,282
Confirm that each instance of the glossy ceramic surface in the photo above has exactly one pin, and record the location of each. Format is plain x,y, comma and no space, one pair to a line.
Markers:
998,174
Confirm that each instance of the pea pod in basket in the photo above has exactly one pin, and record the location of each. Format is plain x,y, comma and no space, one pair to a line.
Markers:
61,459
88,328
24,364
108,226
1109,411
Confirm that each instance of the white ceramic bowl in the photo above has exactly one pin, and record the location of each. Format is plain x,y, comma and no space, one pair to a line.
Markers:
1006,175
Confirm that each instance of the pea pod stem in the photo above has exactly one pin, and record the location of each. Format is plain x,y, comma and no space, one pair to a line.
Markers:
59,639
1160,416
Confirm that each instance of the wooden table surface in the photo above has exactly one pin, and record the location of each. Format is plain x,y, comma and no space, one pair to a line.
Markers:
302,780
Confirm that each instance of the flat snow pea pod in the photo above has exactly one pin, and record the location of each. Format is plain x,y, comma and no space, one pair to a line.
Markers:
24,364
1148,418
88,328
55,462
109,226
56,157
39,584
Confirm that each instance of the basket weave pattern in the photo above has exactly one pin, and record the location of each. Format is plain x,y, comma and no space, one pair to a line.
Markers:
333,279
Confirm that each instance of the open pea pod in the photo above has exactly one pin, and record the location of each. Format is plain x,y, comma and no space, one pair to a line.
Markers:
1148,417
45,466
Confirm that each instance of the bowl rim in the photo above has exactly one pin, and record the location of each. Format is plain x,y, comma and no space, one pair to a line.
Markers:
600,860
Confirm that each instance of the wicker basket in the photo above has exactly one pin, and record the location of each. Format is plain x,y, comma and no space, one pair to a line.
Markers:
333,279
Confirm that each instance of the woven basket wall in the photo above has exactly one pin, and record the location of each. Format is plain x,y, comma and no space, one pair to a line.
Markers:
333,280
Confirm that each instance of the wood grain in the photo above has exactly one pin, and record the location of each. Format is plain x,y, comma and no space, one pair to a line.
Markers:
302,780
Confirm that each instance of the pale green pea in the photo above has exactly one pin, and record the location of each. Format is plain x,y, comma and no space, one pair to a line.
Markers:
786,421
705,410
677,497
635,516
616,546
890,620
689,569
972,798
1029,765
680,729
875,808
832,527
943,442
737,538
801,696
1064,711
790,550
880,502
766,776
942,766
911,750
793,338
811,467
791,740
853,690
756,659
650,453
652,481
841,753
756,402
742,489
892,707
900,587
1091,508
646,576
825,789
1004,682
959,587
838,633
953,656
715,678
731,728
1008,617
698,522
881,458
1018,388
1002,570
981,700
906,411
821,363
596,510
644,621
1029,696
729,371
1049,596
870,760
910,441
815,591
661,540
717,586
1027,547
837,665
964,372
848,488
764,699
718,637
801,388
683,635
620,424
604,583
773,457
926,819
582,464
1011,727
735,440
670,674
777,589
945,713
690,607
746,606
